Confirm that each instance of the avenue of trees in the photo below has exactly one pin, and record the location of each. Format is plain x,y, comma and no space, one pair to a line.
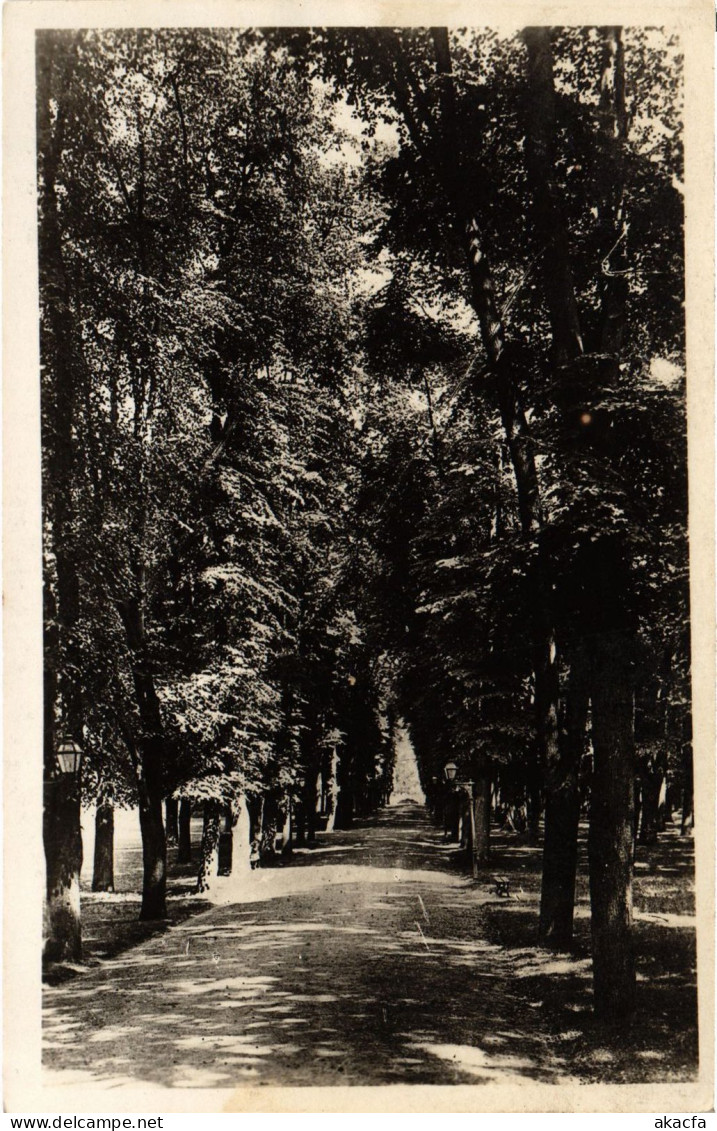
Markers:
363,399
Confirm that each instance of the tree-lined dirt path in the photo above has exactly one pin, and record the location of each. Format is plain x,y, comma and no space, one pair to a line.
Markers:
363,962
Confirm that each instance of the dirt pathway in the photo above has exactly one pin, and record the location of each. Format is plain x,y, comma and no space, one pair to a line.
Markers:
362,962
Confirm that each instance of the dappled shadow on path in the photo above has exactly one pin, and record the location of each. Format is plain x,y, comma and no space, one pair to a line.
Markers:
397,838
383,979
368,960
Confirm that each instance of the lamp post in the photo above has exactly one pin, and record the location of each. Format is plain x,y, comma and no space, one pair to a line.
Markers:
450,814
450,771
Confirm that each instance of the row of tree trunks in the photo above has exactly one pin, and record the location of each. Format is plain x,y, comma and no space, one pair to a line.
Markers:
63,842
216,847
216,852
327,800
227,834
103,863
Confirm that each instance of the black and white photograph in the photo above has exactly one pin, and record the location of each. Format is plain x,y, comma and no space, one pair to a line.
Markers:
364,744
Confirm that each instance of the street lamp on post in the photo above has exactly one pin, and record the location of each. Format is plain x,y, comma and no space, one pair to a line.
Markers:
69,755
450,770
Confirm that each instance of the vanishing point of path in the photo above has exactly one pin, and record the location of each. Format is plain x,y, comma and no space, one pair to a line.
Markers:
361,962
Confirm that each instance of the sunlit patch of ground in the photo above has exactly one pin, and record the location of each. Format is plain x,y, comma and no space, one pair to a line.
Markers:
373,959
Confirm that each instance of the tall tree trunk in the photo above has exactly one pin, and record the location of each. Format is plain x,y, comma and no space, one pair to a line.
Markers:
311,818
103,873
286,832
150,759
210,846
256,812
184,855
687,823
345,798
480,825
504,368
50,682
225,847
333,791
661,814
547,217
510,368
637,812
465,822
562,815
560,766
242,838
651,785
171,818
62,836
533,791
154,858
610,843
452,817
62,833
612,217
63,852
310,802
299,823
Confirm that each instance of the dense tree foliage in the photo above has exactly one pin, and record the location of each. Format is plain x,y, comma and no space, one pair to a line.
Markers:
363,397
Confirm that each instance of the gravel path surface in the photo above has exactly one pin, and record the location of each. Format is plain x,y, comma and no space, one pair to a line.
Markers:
361,962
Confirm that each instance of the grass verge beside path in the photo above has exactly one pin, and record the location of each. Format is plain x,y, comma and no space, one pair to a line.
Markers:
110,920
661,1041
